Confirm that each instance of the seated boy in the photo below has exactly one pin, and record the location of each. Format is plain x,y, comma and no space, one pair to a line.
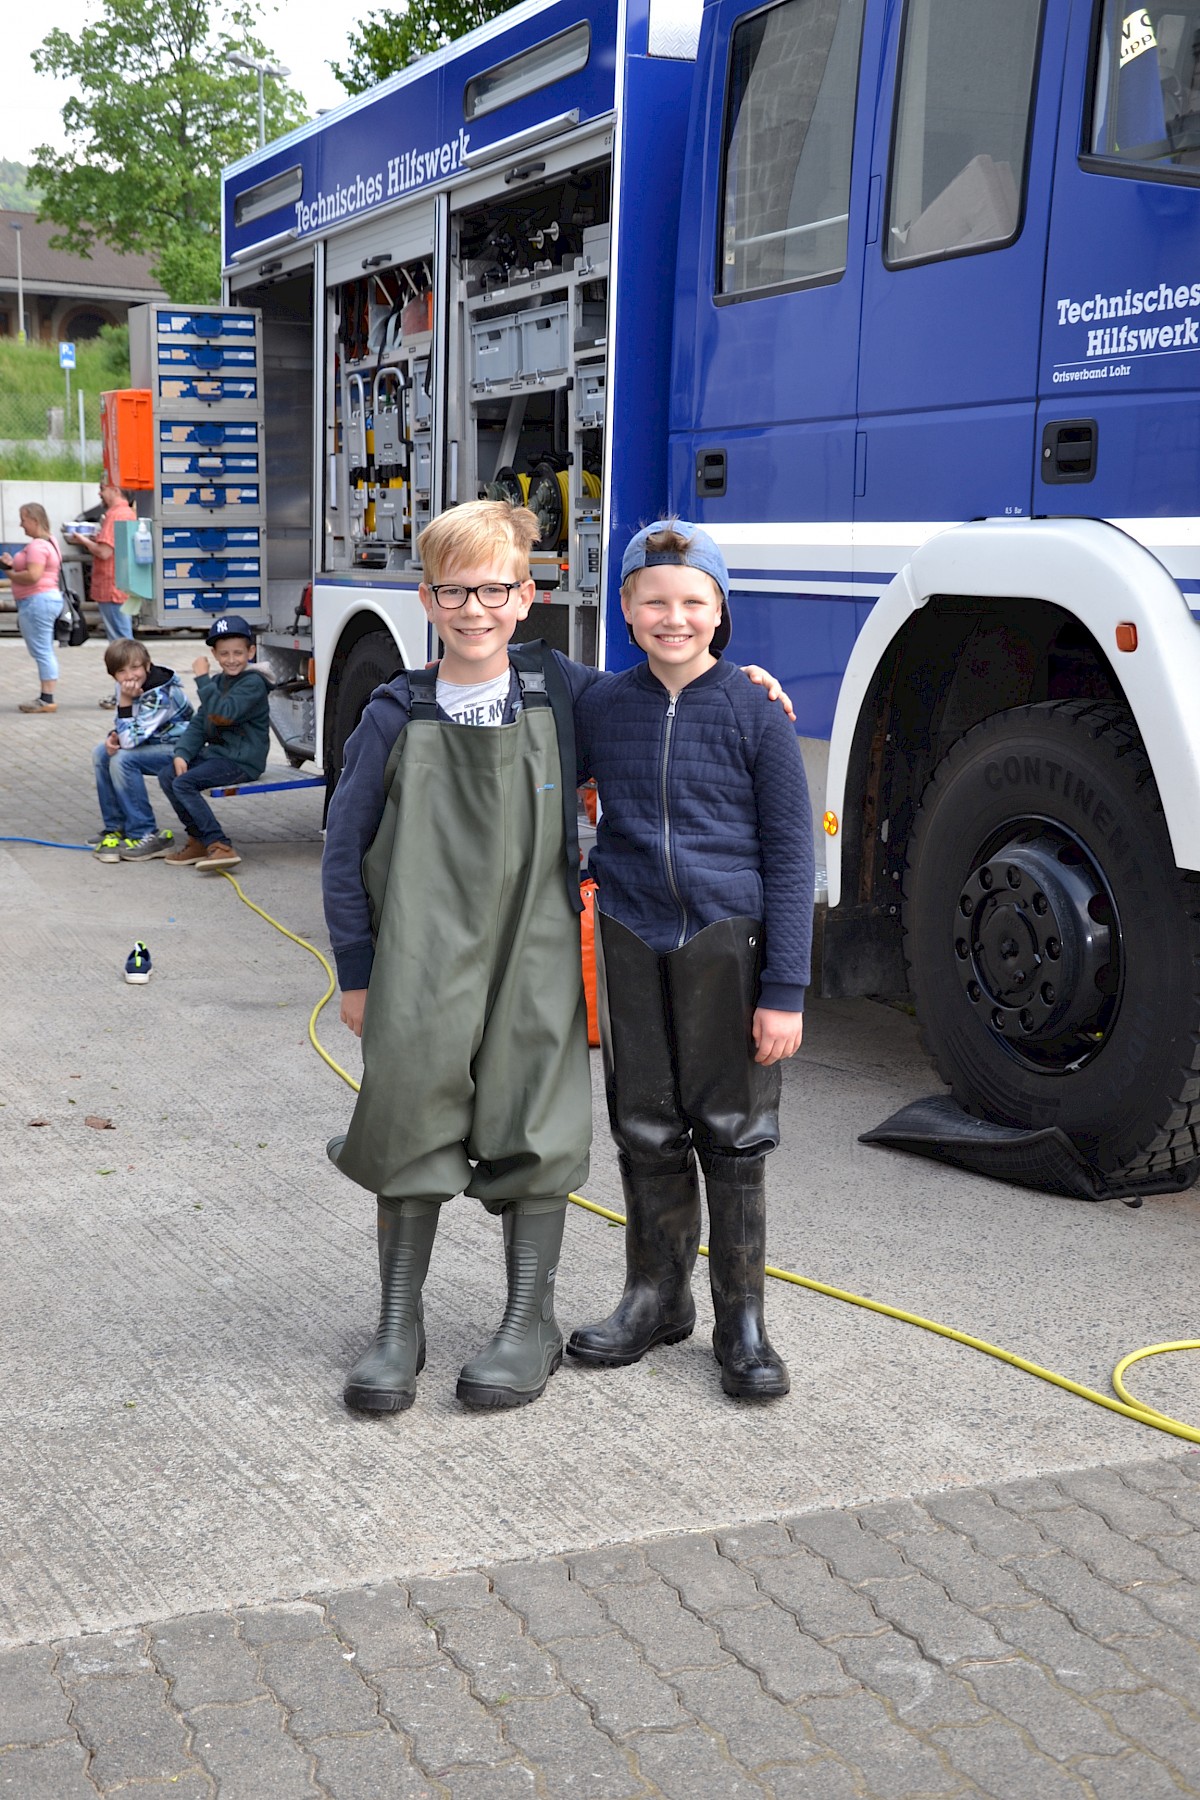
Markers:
704,865
152,712
451,884
225,745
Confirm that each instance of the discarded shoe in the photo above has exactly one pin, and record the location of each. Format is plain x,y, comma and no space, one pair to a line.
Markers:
137,965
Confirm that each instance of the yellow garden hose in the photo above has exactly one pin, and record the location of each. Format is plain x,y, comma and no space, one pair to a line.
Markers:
1125,1404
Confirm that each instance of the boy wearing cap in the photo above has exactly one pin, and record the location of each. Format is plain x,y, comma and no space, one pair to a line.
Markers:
225,744
704,865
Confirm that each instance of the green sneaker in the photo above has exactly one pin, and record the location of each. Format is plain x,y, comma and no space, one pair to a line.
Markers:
109,847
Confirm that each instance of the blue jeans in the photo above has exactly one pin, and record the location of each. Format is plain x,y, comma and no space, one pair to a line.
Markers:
191,808
35,621
121,786
116,621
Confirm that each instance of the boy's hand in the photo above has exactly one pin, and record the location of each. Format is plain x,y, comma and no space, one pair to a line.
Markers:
112,743
776,1034
354,1002
201,666
764,678
179,765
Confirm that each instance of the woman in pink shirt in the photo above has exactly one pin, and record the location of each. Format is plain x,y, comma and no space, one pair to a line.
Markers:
35,576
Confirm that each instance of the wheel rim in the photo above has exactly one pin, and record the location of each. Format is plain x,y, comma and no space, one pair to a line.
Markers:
1037,946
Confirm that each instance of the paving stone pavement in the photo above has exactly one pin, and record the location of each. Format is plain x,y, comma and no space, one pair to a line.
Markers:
1038,1640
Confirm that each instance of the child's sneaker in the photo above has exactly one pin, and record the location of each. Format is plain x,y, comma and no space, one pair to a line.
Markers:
108,848
43,704
145,849
137,964
187,855
219,856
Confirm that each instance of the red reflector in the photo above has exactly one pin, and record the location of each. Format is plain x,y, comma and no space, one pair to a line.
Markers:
1126,637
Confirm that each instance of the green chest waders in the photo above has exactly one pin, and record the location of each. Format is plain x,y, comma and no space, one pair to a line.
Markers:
475,1064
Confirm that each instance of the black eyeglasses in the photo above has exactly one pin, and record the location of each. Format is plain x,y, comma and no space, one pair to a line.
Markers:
491,593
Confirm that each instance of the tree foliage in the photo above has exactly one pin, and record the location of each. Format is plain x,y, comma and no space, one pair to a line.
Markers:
386,41
157,114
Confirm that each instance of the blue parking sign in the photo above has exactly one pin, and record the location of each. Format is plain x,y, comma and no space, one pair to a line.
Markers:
66,356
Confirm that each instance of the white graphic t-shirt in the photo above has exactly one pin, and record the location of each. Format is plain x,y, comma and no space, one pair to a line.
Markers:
475,702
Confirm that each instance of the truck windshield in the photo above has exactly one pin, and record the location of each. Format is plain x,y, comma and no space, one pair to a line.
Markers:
1146,99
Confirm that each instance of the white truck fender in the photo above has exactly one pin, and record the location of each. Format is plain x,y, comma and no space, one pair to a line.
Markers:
1104,578
399,614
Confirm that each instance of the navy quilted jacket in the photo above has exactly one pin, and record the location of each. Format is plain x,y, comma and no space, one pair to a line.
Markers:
705,815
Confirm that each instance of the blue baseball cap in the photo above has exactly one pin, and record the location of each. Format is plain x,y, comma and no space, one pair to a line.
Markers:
229,625
700,553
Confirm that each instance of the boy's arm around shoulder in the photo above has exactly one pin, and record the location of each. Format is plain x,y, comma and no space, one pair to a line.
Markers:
585,684
354,814
786,839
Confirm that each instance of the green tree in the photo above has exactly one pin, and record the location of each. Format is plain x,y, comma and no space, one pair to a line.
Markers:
386,41
157,114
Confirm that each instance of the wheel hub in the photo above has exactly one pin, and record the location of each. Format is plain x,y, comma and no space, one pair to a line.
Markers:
1036,946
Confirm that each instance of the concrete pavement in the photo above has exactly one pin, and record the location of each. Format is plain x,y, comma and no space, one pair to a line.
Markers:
185,1290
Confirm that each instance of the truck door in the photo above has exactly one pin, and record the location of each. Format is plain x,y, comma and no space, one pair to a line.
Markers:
762,447
1119,425
952,285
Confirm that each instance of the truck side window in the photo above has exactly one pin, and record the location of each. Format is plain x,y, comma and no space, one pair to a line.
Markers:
963,112
789,130
1146,97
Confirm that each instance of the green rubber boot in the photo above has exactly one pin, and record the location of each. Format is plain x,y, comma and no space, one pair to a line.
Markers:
515,1366
384,1379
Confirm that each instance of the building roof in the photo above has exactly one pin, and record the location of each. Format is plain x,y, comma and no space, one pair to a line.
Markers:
105,271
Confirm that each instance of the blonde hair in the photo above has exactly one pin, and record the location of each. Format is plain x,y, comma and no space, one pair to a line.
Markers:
673,543
122,651
33,509
478,532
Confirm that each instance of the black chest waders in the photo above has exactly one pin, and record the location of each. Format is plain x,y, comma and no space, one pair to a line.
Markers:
475,1064
682,1084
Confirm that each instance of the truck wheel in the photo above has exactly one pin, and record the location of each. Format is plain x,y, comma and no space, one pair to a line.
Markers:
1053,946
370,662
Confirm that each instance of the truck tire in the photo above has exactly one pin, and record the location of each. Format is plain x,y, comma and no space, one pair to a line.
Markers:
1053,946
370,662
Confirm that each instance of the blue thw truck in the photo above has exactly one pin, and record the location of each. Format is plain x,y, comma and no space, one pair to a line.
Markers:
901,300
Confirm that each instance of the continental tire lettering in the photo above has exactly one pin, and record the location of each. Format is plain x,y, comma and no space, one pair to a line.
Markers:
1084,797
1101,817
1012,770
1054,770
993,777
1033,770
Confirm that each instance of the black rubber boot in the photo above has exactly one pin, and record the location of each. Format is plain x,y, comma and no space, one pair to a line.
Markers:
662,1233
515,1366
384,1379
751,1369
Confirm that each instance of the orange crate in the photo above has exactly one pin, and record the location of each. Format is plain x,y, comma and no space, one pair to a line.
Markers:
127,430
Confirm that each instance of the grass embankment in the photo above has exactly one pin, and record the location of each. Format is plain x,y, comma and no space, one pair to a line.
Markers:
31,382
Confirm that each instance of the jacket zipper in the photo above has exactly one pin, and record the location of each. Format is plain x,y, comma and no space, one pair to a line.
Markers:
667,854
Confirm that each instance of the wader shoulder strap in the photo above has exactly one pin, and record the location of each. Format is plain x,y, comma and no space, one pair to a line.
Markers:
539,675
422,690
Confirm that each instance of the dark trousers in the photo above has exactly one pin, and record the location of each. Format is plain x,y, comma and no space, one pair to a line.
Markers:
675,1032
184,793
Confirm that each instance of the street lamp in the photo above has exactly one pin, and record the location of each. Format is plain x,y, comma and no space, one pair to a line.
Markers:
260,69
20,288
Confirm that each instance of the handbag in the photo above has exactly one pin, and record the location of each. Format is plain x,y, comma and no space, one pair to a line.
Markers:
70,627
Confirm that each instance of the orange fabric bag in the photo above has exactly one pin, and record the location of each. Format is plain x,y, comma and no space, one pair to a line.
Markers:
587,931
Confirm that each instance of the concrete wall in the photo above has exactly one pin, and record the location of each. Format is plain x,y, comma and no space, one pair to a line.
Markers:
61,499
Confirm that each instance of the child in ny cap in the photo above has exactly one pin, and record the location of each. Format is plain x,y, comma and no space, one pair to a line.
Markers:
704,866
225,744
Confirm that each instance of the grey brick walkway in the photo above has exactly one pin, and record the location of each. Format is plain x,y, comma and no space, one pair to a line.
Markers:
1033,1641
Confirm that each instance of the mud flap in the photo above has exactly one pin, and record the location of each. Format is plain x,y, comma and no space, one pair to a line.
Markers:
1046,1159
